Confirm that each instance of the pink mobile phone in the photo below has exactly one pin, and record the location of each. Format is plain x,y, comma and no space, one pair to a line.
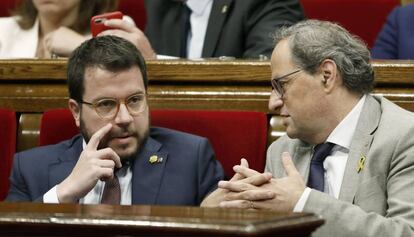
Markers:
97,22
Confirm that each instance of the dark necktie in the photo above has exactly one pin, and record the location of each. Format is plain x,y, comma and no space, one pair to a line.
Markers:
112,192
317,173
185,30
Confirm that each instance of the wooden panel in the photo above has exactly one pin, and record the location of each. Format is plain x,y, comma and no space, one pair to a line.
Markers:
33,86
404,2
34,219
28,131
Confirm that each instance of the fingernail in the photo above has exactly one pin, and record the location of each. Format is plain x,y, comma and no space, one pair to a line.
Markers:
222,183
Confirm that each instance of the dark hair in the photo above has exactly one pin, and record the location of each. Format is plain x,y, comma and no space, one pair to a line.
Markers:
27,13
107,52
313,41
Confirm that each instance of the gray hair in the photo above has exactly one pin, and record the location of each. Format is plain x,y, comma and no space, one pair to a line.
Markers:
313,41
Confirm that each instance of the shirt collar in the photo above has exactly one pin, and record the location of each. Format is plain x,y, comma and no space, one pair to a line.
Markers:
198,6
343,133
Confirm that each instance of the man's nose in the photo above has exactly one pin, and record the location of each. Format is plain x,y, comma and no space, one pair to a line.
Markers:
123,116
275,102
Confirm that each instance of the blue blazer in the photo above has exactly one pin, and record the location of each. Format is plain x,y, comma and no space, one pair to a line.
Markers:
187,173
396,40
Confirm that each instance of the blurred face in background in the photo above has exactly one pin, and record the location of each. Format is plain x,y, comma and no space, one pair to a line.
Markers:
57,7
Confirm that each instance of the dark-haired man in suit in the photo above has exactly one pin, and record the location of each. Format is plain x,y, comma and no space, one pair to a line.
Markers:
117,158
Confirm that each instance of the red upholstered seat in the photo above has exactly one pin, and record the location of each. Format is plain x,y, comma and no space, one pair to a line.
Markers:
136,10
6,6
233,134
7,148
361,17
56,125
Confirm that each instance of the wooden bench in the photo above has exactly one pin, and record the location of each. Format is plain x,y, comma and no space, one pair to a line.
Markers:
32,86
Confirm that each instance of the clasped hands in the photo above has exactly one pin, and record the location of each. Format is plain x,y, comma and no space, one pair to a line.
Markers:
249,189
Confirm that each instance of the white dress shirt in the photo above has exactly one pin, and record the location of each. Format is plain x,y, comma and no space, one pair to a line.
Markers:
200,13
95,195
335,163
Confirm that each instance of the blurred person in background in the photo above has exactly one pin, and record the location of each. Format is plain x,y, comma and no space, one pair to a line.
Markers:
46,28
209,28
395,41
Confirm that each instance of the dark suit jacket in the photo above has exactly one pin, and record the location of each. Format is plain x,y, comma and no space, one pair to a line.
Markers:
187,173
237,28
395,41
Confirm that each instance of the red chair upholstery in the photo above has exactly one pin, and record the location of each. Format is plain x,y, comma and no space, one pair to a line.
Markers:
6,6
56,125
7,148
136,10
232,134
361,17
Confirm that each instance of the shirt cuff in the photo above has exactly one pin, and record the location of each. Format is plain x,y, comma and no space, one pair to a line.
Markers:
302,200
51,196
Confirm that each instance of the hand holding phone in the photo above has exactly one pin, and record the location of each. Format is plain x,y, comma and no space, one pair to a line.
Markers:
97,22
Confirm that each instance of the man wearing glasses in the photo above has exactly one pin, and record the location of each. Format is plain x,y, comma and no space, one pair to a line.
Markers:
117,158
347,156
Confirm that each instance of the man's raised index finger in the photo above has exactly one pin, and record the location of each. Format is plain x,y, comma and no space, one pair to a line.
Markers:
97,137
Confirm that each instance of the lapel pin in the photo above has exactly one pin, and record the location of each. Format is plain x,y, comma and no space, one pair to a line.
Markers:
361,163
155,159
224,9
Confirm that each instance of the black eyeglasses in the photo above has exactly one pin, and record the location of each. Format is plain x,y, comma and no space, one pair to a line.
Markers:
278,82
108,108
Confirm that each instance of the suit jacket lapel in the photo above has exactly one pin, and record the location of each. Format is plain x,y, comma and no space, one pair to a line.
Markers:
218,15
362,139
64,165
148,172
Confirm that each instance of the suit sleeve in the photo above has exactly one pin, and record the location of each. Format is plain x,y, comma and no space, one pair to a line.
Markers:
347,219
210,170
386,44
264,18
19,191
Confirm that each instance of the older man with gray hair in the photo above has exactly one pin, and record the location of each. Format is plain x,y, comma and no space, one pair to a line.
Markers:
347,156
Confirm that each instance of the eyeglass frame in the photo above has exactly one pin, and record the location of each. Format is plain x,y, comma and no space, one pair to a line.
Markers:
278,82
118,102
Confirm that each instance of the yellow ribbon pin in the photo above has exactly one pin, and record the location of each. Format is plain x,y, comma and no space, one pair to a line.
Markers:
224,9
153,159
361,163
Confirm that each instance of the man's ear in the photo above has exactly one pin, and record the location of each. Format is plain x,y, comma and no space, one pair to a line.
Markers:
75,110
329,74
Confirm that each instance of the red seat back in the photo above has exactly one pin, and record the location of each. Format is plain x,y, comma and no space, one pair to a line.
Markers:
6,6
56,125
361,17
233,134
136,10
7,148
